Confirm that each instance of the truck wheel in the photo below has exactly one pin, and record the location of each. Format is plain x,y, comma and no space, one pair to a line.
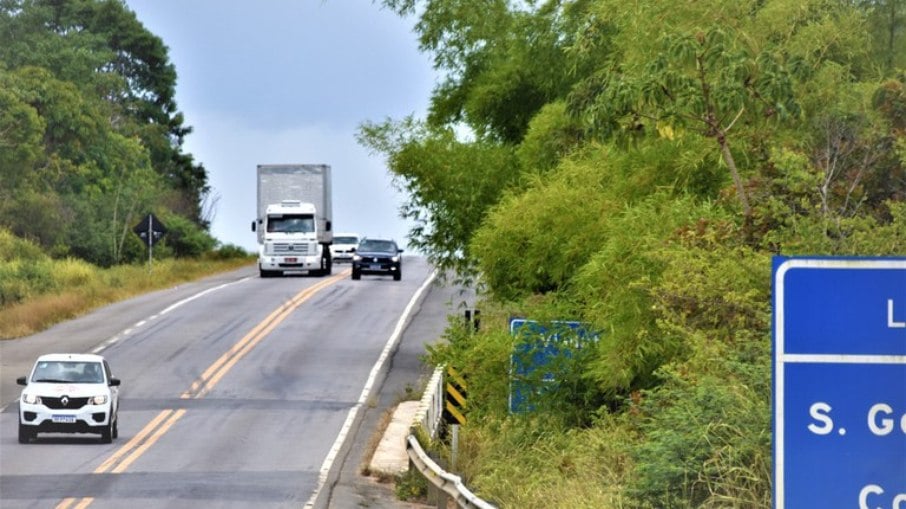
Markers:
326,265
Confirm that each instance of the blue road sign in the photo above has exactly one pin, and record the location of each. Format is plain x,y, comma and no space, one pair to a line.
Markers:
540,347
839,382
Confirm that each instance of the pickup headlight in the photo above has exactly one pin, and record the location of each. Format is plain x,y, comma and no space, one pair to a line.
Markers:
99,400
31,399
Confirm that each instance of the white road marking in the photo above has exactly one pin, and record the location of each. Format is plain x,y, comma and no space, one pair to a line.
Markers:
366,390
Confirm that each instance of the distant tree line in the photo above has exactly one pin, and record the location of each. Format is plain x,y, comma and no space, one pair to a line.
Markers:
91,139
635,165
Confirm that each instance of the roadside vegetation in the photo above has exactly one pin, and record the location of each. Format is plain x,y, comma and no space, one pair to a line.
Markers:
634,166
37,291
91,142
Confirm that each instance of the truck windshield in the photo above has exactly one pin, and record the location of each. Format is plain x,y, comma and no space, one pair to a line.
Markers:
291,223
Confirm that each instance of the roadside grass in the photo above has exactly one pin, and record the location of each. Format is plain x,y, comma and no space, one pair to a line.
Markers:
35,295
535,464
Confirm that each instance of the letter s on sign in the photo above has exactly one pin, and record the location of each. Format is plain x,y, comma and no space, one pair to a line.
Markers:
819,412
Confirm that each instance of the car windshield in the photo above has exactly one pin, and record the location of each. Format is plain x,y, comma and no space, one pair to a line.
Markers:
345,240
291,223
384,246
68,372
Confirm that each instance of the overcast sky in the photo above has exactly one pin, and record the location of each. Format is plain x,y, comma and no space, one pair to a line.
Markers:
290,81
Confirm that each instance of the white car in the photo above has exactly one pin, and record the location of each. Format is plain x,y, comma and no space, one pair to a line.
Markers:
343,246
69,393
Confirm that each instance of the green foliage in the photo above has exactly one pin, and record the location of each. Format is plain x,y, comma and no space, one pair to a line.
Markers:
14,248
89,130
535,240
228,252
534,462
451,184
886,23
539,236
411,486
185,238
619,211
699,449
552,134
484,361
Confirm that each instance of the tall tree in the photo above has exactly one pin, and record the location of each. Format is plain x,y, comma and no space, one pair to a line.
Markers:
100,46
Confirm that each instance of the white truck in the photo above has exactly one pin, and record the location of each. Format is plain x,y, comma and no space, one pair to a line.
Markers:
294,219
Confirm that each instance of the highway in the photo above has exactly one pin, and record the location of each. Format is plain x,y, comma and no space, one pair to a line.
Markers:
236,392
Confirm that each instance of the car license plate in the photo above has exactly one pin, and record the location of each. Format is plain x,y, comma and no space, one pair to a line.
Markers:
63,418
291,260
375,267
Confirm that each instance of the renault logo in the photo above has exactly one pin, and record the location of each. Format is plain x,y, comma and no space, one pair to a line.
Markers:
65,400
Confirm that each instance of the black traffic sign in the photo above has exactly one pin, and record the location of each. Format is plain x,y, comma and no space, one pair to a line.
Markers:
150,230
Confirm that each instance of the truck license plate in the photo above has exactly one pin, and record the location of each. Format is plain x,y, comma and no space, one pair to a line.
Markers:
291,260
63,418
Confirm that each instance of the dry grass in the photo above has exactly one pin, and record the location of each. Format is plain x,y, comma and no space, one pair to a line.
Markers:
372,446
80,288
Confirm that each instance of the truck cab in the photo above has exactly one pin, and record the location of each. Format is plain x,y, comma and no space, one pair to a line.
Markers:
291,240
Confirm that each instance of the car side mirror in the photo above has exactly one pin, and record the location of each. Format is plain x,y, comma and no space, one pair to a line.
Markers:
253,226
352,250
114,382
399,250
21,381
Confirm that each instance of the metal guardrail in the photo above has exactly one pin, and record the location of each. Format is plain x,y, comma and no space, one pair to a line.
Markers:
431,407
428,417
450,484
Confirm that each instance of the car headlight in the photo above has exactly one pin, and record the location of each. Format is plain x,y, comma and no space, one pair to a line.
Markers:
99,400
357,258
395,259
31,399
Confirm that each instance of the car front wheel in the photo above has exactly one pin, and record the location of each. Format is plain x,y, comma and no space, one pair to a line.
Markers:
356,274
107,433
25,433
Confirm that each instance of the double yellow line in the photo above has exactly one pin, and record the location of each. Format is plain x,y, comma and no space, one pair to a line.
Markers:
119,461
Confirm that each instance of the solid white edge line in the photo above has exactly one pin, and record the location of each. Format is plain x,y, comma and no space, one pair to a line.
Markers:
366,390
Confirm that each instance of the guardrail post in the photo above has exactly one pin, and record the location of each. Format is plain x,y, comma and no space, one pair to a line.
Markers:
441,498
454,445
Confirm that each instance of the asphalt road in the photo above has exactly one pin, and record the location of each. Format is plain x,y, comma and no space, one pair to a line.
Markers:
237,392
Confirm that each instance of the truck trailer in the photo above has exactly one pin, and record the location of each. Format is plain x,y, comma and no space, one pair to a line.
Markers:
294,219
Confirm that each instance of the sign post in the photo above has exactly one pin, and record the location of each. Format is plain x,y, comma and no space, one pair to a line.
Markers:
839,366
150,230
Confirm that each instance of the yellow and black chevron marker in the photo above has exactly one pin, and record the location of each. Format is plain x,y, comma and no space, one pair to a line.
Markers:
454,397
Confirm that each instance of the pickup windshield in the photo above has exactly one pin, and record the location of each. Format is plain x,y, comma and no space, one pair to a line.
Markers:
291,223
